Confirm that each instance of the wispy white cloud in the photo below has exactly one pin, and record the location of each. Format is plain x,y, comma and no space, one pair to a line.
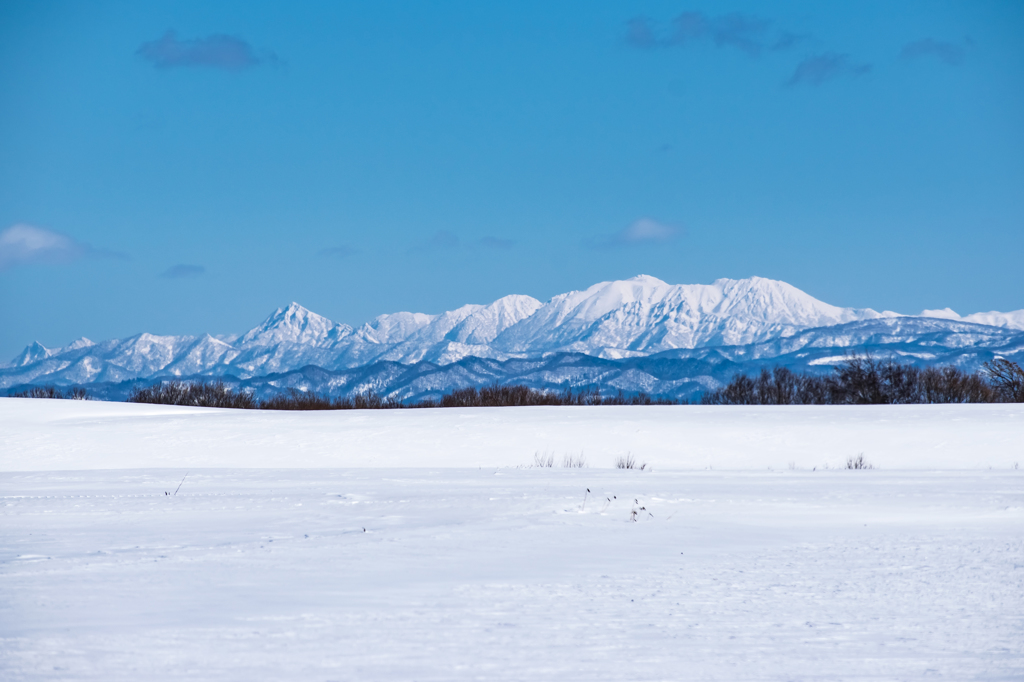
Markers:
22,244
640,231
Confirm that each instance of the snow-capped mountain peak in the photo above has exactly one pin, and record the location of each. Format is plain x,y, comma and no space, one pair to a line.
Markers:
393,328
601,299
37,352
639,316
486,323
33,353
297,325
644,314
774,301
80,342
943,314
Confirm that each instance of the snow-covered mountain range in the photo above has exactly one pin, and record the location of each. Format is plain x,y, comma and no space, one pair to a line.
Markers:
748,319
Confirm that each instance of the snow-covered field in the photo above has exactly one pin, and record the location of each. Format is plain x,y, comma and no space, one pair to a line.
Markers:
38,435
406,545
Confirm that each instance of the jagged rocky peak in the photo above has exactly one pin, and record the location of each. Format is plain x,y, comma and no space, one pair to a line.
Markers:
294,324
36,352
32,353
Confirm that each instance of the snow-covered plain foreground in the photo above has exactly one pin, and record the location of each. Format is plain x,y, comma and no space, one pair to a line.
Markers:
445,562
38,435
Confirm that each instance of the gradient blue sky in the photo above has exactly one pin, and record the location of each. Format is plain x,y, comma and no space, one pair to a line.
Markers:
362,158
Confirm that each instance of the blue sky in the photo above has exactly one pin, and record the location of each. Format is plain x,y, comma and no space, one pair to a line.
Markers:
190,166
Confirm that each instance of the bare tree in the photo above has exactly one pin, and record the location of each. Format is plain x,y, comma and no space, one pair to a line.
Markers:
1007,378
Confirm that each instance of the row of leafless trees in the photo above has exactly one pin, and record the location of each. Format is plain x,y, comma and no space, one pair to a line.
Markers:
512,396
863,380
199,394
217,394
73,393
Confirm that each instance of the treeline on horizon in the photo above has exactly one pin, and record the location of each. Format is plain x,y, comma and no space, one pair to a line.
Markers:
859,380
864,380
218,395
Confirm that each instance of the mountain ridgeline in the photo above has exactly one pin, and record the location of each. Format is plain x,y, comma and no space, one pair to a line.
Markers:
637,335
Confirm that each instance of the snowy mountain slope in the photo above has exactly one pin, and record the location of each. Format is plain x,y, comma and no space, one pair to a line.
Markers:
203,355
1012,320
37,352
644,315
291,337
679,373
419,343
633,318
466,331
294,325
141,355
923,338
487,323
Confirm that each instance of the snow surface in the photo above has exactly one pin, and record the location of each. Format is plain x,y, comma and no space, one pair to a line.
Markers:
407,545
61,435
